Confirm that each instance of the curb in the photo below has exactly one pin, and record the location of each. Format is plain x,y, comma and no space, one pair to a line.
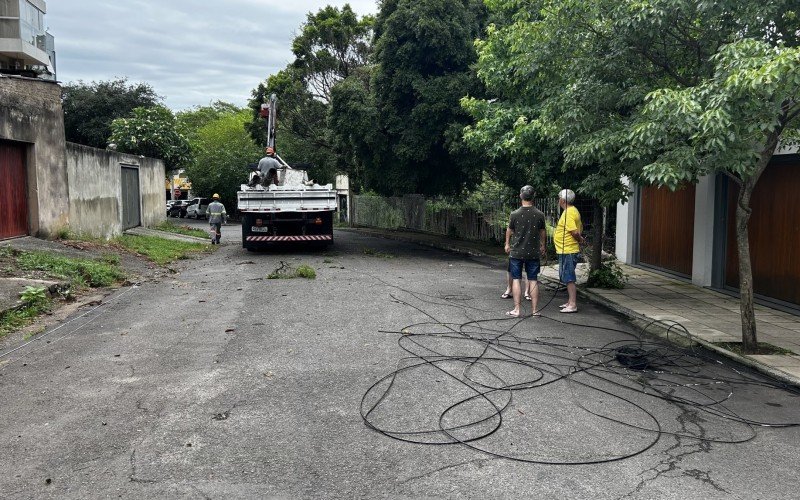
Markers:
661,331
630,314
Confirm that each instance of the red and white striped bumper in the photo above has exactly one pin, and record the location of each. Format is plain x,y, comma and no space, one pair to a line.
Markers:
310,237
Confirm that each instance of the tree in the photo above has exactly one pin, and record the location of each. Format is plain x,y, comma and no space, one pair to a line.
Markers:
332,44
89,108
731,122
152,132
609,83
221,150
192,120
423,53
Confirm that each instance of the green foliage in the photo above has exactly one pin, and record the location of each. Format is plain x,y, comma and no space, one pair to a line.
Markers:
286,271
81,272
423,53
110,258
14,319
376,211
353,124
152,132
332,45
33,294
221,150
161,250
63,233
609,275
171,227
306,271
727,122
89,108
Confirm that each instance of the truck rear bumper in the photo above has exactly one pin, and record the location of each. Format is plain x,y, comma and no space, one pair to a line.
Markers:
308,237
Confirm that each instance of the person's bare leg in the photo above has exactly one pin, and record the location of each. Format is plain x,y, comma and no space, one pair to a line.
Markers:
533,291
517,296
572,292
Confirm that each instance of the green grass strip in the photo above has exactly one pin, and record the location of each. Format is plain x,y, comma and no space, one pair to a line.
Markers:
170,227
80,272
14,319
161,250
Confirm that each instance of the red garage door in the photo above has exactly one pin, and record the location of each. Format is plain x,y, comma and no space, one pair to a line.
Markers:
13,194
666,233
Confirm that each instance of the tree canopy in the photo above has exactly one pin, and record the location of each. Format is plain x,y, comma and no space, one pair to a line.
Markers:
89,108
332,44
152,132
221,150
423,53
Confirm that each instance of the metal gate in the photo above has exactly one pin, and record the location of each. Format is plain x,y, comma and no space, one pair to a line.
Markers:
131,213
13,191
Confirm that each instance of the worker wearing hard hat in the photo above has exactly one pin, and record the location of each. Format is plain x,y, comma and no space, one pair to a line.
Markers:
216,216
269,167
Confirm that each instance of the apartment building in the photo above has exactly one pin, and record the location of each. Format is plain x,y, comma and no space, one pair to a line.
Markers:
26,48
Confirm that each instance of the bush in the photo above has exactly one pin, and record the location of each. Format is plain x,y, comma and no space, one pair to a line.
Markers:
609,275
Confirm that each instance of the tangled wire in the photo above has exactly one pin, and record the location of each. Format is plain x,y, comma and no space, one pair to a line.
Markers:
495,386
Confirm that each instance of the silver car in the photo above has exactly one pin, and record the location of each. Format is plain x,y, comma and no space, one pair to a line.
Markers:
197,208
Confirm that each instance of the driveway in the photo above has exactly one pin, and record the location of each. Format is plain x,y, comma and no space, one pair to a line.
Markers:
393,374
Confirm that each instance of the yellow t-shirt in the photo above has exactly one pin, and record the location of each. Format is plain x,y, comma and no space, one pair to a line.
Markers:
570,220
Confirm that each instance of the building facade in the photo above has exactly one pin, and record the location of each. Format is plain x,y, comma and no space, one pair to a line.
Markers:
26,48
690,233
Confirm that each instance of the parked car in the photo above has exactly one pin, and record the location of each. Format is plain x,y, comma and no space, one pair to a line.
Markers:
197,208
170,203
178,209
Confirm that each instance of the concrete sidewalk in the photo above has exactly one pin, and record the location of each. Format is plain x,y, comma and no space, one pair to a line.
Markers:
709,317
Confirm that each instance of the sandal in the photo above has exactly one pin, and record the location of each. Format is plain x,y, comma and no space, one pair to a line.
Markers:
506,295
569,310
527,297
512,314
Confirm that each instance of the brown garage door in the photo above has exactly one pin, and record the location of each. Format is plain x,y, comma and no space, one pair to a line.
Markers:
666,233
13,193
774,238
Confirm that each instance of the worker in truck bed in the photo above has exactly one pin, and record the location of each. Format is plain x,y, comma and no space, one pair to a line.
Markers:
269,166
216,216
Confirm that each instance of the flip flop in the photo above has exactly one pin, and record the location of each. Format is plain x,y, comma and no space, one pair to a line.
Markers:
562,306
536,315
506,296
527,297
511,313
569,310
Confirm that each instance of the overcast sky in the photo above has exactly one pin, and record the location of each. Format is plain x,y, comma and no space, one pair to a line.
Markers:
191,52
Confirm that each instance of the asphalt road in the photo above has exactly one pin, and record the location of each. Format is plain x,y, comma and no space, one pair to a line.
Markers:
219,383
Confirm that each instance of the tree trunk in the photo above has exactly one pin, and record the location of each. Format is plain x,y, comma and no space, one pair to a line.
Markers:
743,211
596,259
749,336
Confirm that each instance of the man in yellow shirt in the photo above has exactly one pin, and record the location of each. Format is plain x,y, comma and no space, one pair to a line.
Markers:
567,238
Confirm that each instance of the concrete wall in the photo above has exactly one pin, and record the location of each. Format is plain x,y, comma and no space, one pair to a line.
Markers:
30,112
96,192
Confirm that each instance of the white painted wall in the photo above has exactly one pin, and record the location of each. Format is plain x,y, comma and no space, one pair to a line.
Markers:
626,226
704,219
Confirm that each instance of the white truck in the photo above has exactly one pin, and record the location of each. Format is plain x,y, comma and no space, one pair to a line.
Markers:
293,210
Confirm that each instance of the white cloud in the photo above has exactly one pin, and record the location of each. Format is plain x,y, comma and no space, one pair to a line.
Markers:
192,53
